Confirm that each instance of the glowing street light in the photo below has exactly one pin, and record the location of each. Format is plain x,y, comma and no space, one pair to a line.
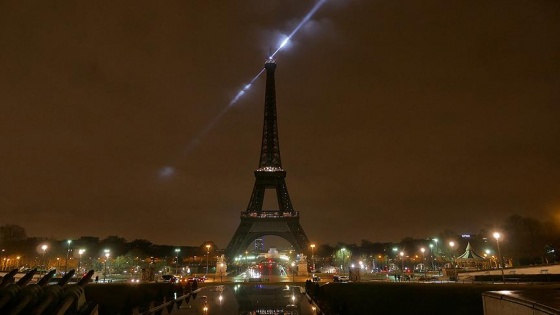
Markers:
207,255
312,257
497,237
402,260
44,247
452,245
343,250
432,256
107,255
80,252
177,266
221,271
423,258
67,253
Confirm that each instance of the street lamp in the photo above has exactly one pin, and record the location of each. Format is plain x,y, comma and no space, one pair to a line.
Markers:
312,257
80,251
497,237
487,254
343,250
293,271
452,245
402,261
107,254
177,251
435,254
44,248
423,258
207,254
67,253
432,255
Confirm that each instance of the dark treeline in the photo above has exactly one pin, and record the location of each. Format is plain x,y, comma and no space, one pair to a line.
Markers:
524,241
16,245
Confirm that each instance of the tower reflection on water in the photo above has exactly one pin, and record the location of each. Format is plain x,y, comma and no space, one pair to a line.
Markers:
268,299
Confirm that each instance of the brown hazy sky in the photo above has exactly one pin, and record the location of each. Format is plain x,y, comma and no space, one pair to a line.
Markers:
396,118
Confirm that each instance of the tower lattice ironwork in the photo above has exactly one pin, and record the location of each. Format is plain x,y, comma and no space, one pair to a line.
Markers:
256,222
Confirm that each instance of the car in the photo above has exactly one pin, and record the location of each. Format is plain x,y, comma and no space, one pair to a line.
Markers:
196,279
316,279
338,278
169,278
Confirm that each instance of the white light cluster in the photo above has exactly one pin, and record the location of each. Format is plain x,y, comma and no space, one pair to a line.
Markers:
270,169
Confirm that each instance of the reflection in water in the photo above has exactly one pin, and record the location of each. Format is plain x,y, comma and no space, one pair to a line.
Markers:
268,299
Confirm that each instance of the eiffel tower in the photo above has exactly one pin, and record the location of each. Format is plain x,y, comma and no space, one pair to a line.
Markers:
256,222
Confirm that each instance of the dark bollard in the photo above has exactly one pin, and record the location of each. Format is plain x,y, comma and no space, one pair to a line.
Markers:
170,296
170,308
46,278
29,295
25,279
73,297
51,295
9,293
8,278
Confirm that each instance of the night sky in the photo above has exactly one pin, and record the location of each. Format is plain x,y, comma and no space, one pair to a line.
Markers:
396,118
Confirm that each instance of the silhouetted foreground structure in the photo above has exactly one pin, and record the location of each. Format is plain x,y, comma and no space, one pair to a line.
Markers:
43,299
63,298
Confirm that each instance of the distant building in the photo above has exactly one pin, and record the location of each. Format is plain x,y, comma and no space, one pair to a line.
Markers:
259,245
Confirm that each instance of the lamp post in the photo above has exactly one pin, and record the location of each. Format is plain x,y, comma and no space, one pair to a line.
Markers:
312,257
435,256
207,255
487,254
432,255
423,258
343,250
44,248
107,254
402,261
177,251
67,253
452,245
497,237
293,271
81,251
221,271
